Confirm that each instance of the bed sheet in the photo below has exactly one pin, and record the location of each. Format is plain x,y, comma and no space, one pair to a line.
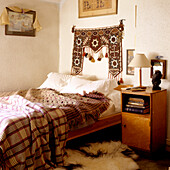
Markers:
114,103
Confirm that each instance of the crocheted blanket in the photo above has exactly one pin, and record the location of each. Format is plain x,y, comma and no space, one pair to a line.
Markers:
78,108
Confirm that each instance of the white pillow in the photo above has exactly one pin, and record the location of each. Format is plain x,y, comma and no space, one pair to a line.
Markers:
53,82
74,84
87,77
67,77
58,80
77,85
64,77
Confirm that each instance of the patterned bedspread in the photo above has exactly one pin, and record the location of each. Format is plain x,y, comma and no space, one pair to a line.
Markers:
33,121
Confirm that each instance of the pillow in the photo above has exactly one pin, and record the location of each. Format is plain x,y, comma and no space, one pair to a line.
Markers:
87,77
74,84
77,85
64,77
58,80
53,82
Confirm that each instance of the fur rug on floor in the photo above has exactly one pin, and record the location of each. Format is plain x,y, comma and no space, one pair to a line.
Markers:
101,156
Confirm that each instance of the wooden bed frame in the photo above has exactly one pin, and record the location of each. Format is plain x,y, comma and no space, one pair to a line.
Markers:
102,123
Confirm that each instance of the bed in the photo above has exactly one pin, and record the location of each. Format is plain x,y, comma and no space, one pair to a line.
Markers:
36,123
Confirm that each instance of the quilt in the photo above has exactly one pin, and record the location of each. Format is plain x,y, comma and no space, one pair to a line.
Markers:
34,125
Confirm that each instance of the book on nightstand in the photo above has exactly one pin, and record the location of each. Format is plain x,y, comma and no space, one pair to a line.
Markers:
137,105
137,110
136,99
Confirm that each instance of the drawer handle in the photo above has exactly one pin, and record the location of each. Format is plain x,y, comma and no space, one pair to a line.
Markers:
124,126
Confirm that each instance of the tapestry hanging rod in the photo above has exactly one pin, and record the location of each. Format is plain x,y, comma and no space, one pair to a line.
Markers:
120,25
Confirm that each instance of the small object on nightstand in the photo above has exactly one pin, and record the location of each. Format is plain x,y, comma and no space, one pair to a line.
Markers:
123,87
139,88
120,81
159,57
136,88
156,80
129,88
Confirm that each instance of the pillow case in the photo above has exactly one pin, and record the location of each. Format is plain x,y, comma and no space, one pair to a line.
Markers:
58,80
64,77
87,77
77,85
53,82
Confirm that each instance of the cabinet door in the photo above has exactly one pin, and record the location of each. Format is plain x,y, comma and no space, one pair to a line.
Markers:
136,130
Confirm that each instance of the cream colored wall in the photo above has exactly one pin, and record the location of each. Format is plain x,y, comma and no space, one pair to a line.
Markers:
152,36
25,61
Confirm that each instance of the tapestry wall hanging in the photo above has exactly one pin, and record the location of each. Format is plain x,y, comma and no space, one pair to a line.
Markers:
88,42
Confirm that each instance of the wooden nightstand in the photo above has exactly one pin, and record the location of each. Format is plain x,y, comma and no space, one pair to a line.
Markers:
145,131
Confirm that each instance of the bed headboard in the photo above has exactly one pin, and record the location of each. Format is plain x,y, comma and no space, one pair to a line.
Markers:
89,42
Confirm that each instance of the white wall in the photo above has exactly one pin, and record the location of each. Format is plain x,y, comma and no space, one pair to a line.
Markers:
152,35
25,61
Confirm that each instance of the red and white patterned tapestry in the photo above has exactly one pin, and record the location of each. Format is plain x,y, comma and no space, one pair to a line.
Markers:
90,41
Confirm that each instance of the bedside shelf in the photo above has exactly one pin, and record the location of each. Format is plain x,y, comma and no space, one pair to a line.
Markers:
145,131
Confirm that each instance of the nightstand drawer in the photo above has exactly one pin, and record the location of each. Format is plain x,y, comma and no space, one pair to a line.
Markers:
136,130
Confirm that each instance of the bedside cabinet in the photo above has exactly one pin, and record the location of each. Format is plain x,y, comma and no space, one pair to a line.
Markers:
144,119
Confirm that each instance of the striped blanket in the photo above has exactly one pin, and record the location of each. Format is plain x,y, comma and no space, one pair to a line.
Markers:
34,125
25,134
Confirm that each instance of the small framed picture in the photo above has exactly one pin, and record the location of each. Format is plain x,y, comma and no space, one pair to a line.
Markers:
130,56
158,65
21,23
91,8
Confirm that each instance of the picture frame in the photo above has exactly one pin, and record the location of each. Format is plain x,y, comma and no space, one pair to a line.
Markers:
21,24
158,65
91,8
129,57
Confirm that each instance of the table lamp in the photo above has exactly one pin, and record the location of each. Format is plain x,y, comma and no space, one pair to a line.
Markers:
140,61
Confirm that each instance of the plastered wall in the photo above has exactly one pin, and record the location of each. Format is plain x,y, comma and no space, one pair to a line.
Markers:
151,36
25,61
